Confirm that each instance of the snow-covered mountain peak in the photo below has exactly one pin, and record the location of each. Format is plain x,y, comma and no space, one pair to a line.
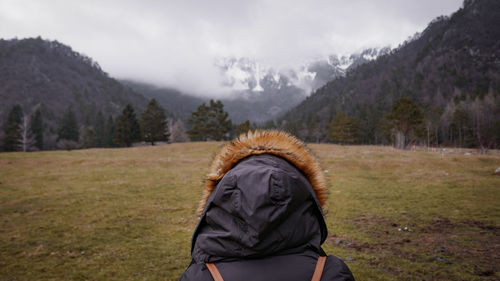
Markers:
246,74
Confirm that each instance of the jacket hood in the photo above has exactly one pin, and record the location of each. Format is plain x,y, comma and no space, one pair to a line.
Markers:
272,142
260,203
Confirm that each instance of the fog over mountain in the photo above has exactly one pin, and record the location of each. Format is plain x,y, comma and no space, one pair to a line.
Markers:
180,44
251,76
260,92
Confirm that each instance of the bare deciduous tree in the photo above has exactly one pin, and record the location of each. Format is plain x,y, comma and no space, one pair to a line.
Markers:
27,141
178,132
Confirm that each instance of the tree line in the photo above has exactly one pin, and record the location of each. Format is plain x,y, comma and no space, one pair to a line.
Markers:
467,125
464,123
25,132
210,122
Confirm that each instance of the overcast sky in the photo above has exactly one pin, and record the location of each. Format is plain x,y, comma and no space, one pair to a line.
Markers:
174,43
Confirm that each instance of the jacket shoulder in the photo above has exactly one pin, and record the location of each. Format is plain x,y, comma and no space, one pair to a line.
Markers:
336,270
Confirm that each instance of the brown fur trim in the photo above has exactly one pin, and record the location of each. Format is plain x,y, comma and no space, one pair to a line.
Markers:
272,142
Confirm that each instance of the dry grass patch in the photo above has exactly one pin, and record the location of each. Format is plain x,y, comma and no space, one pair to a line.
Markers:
128,214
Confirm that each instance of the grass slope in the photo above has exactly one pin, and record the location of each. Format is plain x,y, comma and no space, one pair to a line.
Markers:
128,214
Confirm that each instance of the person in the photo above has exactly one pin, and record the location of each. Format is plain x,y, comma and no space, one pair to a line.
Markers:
261,215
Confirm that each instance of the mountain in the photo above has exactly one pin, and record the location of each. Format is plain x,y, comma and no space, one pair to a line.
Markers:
50,75
257,107
245,74
260,92
325,70
453,65
176,103
261,106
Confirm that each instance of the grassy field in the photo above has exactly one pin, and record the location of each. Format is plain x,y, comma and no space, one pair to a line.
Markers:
128,214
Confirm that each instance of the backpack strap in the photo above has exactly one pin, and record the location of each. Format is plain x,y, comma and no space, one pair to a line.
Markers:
318,271
214,272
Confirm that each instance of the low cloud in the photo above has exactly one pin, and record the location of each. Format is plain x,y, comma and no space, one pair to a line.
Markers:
175,43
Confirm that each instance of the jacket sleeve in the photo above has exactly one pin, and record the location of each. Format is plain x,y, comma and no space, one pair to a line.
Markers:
336,270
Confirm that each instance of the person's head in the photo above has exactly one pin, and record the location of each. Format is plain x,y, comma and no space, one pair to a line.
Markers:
272,142
264,195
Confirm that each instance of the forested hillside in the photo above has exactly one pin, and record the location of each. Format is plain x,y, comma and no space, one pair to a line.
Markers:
50,76
450,71
176,103
241,106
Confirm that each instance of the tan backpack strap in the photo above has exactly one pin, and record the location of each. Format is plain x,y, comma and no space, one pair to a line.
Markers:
214,272
318,271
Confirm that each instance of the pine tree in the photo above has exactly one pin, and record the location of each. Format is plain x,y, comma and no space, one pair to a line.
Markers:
88,136
68,127
12,129
291,126
154,123
210,122
269,125
199,123
37,128
99,128
342,129
314,133
432,117
109,132
219,124
404,118
127,129
243,128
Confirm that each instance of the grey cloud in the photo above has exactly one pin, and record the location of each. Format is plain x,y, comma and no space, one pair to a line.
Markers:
174,43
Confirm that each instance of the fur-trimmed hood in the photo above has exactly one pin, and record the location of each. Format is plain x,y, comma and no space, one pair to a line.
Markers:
272,142
261,213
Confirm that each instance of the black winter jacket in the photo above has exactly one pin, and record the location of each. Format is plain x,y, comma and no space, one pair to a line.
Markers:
262,222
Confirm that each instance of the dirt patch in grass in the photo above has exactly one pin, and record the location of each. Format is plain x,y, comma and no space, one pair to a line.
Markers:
472,243
468,248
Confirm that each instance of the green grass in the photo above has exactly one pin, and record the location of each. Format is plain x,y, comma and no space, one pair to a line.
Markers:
128,214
